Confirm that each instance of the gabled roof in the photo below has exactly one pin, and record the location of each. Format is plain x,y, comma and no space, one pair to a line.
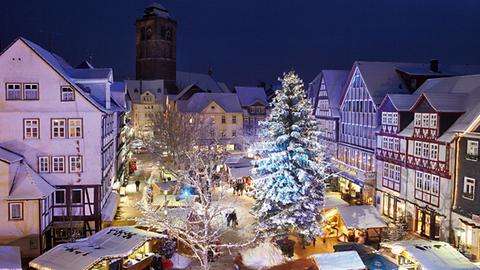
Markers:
382,78
90,73
27,184
250,95
334,83
402,103
454,94
204,81
444,70
62,68
9,156
199,101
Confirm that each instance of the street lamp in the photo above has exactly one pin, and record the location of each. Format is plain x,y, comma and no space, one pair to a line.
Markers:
459,231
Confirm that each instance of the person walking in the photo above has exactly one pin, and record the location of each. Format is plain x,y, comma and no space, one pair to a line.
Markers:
137,184
234,219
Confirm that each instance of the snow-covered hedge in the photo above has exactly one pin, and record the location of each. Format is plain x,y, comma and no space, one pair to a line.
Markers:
262,256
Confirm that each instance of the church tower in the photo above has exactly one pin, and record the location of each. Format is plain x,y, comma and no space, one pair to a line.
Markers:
156,46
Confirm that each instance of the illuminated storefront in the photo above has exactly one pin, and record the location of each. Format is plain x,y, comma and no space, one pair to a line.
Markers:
393,207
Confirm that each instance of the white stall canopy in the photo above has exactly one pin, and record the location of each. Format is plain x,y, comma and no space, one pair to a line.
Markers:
361,217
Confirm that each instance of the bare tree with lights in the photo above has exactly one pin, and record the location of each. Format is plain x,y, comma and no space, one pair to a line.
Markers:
175,135
201,224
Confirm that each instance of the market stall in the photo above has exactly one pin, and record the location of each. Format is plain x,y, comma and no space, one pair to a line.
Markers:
111,248
428,255
10,258
339,260
360,223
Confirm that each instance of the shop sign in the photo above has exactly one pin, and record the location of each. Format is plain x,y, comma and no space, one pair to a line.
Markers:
344,168
476,218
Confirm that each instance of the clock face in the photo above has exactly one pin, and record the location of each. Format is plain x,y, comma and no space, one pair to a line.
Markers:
149,32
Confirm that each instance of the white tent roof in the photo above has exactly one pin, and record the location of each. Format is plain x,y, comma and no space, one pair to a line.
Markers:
344,260
112,242
433,255
361,217
334,200
241,172
10,258
110,208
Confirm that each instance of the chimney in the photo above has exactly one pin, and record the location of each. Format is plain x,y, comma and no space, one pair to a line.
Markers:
107,95
434,65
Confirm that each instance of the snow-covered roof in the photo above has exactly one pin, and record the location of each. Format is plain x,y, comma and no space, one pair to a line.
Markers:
443,69
344,260
66,71
408,131
334,83
433,255
110,208
454,94
28,184
334,200
199,101
361,217
118,91
136,88
204,81
401,102
250,95
10,258
111,242
157,10
382,78
9,156
240,172
90,73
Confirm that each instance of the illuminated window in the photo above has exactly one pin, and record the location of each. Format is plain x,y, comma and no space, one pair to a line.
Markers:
31,128
75,128
58,128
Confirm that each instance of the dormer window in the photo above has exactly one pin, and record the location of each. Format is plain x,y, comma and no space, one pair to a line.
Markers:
67,93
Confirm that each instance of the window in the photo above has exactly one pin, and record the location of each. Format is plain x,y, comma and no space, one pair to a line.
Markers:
15,211
418,120
468,188
67,93
75,163
60,196
433,120
234,119
435,184
76,196
384,118
426,150
395,119
75,128
426,182
433,151
234,133
14,91
58,128
425,120
58,164
31,128
389,118
43,165
419,180
418,149
390,143
224,119
472,150
396,144
385,143
30,91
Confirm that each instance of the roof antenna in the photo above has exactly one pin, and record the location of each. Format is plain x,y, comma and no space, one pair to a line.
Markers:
210,70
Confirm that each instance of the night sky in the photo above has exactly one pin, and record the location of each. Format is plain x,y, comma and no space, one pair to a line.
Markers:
247,41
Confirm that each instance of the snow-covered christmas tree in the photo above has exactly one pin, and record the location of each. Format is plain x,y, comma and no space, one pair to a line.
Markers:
291,169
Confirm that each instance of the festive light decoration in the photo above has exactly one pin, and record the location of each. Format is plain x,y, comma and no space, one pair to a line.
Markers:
291,170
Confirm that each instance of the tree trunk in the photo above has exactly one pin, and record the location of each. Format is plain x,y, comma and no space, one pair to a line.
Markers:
206,263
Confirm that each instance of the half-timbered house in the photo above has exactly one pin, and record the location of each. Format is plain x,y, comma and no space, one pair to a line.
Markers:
62,121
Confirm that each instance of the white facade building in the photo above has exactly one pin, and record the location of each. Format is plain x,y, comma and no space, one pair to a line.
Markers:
62,121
